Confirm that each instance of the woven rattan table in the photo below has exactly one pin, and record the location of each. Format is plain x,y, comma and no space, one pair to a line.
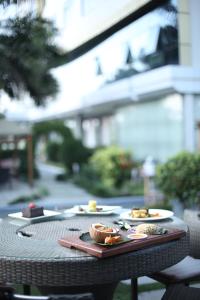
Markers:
37,258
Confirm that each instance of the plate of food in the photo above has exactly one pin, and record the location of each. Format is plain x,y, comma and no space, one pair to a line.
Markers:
104,235
109,241
33,213
93,209
141,214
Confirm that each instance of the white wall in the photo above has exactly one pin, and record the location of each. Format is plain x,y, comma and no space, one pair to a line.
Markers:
194,6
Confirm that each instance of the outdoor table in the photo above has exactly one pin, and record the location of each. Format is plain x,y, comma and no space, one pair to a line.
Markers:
37,259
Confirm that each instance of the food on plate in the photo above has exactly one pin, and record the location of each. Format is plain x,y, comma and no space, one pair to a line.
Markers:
81,209
137,236
142,213
146,228
99,232
139,213
32,211
111,240
150,229
92,205
85,210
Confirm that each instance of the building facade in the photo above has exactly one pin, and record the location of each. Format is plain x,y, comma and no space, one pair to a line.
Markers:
141,85
148,97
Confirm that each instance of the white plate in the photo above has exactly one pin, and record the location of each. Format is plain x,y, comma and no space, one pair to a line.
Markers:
163,214
48,214
106,210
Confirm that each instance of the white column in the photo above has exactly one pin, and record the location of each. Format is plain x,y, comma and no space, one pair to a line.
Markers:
79,127
189,122
194,8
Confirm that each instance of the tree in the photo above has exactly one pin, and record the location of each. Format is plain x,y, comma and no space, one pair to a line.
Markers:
27,55
71,150
7,2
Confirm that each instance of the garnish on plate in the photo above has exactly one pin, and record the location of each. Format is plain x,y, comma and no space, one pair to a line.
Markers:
87,209
80,208
122,224
111,240
99,208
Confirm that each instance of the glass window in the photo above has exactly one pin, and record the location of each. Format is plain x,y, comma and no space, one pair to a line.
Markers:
144,134
151,41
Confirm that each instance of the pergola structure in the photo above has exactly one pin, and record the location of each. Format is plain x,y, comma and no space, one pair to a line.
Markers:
13,132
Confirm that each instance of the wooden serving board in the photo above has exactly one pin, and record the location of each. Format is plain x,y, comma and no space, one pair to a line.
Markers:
106,251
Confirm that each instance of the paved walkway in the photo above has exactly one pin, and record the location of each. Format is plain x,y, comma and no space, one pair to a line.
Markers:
60,194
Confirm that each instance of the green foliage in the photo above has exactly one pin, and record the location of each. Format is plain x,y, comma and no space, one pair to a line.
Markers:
53,151
27,54
42,192
165,204
179,178
131,187
91,179
7,2
70,150
96,187
61,177
123,291
73,151
23,167
45,128
113,165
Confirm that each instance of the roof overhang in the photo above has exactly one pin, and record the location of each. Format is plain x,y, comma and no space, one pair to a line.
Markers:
10,130
142,87
160,81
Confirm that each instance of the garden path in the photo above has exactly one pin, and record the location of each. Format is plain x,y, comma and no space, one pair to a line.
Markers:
60,194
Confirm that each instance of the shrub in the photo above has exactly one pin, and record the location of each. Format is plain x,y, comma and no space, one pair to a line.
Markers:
73,151
23,167
179,178
61,177
54,151
113,165
41,193
91,181
70,151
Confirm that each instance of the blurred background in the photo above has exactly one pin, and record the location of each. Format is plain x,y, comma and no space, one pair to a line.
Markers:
100,98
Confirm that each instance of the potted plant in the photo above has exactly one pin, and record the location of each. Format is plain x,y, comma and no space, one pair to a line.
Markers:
179,178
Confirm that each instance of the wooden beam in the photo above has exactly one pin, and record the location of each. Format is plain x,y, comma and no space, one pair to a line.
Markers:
30,159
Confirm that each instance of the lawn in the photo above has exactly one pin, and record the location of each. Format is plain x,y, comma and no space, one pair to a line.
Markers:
123,291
